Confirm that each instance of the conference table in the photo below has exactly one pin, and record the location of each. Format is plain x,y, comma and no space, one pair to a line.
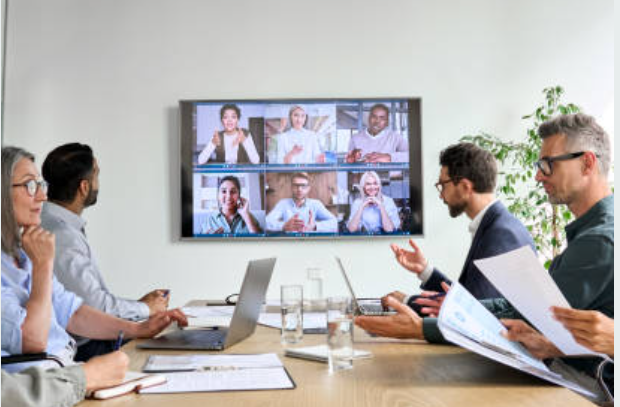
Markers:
398,374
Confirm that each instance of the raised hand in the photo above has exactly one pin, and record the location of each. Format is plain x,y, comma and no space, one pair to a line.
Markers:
216,139
297,149
244,207
413,261
240,139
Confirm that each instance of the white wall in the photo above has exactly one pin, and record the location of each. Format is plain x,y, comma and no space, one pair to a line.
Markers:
110,74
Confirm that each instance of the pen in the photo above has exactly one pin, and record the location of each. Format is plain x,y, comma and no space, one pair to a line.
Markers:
119,340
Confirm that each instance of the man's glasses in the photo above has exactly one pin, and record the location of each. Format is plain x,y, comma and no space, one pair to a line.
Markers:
301,186
33,186
440,185
545,164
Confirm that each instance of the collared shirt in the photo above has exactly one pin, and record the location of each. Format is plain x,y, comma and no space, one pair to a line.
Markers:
284,210
216,220
386,142
16,289
475,223
584,271
473,228
76,268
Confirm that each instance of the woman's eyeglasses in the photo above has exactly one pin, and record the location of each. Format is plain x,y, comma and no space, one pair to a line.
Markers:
33,186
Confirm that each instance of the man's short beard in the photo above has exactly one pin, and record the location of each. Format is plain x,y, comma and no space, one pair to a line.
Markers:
457,209
91,198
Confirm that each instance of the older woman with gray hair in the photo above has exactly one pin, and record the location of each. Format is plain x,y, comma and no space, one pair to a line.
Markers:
37,312
374,212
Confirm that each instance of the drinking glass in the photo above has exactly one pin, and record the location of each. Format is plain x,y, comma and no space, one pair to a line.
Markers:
339,333
292,299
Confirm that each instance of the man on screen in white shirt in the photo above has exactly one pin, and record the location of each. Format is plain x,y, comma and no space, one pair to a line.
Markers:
301,214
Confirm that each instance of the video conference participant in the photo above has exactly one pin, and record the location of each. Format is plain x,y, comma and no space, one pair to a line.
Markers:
233,145
299,145
72,173
573,167
66,386
301,214
374,212
377,143
466,185
234,211
37,312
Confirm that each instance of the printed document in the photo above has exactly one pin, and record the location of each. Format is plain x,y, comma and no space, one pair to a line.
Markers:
525,283
464,321
219,373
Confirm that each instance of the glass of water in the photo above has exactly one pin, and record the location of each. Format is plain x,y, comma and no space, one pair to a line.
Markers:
339,333
292,299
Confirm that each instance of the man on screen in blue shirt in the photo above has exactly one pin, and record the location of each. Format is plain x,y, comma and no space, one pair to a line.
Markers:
301,214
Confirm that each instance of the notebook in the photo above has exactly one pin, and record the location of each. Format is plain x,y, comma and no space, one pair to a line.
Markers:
362,307
133,382
242,324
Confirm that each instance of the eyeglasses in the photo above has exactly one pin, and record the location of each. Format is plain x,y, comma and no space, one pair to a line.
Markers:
440,184
545,164
301,185
33,186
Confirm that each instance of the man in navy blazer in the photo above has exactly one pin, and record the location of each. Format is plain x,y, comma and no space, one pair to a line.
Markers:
466,185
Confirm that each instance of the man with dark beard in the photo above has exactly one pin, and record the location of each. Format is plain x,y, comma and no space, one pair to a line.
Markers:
73,176
466,185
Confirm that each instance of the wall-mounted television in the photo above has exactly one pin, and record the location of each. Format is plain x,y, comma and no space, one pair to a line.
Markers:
301,168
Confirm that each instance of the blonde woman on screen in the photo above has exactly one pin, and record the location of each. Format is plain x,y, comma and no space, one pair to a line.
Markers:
373,212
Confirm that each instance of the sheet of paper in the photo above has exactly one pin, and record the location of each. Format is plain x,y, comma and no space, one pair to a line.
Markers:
167,363
223,380
312,320
464,321
520,277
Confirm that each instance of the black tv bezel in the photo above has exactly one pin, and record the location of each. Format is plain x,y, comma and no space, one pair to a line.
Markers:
416,190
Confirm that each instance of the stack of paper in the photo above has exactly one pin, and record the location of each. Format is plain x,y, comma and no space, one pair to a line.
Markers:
464,321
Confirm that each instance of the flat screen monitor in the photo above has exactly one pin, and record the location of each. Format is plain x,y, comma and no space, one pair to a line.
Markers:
311,168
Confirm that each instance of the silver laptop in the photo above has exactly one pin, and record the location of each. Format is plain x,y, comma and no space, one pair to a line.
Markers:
242,324
372,308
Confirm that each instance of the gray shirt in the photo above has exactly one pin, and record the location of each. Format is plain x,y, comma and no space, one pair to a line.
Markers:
36,387
75,266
